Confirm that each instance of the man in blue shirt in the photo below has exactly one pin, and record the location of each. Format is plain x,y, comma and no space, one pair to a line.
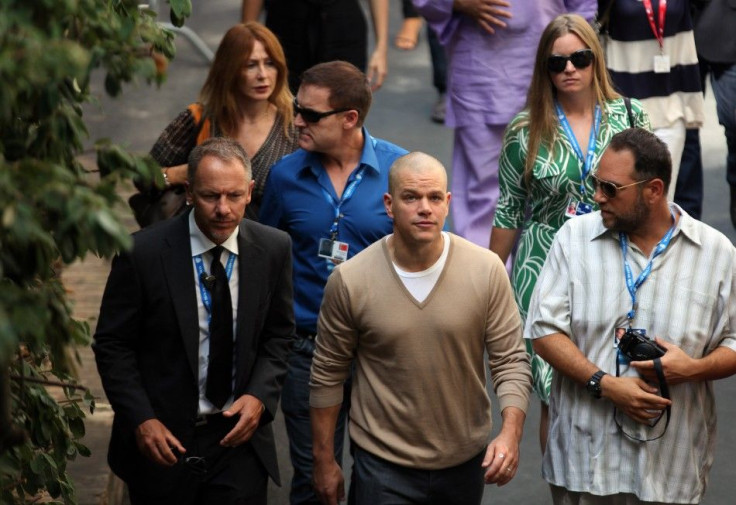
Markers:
328,196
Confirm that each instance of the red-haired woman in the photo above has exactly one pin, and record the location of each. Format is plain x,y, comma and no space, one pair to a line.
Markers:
245,97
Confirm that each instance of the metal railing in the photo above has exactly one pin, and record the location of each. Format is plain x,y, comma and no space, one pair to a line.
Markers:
185,31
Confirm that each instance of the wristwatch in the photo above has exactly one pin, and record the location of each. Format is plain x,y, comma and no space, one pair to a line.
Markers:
594,384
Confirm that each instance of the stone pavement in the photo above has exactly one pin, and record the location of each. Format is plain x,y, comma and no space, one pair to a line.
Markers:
400,113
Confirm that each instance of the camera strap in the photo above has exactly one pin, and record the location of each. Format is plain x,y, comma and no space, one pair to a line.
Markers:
664,390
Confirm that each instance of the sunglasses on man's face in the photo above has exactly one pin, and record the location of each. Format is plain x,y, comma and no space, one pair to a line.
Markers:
580,59
312,116
609,189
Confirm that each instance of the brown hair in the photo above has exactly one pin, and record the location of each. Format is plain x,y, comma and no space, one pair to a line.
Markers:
218,95
540,99
348,86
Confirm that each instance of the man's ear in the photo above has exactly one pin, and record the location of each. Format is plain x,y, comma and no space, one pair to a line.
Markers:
350,119
656,186
387,200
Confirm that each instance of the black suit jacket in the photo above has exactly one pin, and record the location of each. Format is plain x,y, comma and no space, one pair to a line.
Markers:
147,341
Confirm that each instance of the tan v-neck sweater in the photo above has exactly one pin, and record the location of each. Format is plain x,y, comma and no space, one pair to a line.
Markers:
419,396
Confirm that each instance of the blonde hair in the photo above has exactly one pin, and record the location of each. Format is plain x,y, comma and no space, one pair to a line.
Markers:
540,99
220,90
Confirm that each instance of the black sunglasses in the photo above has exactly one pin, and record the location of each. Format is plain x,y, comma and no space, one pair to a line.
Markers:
312,116
580,59
609,189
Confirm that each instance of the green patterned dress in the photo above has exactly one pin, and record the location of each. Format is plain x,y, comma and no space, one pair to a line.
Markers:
555,179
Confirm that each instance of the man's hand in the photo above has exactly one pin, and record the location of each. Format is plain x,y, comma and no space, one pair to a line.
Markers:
634,397
329,483
249,408
486,12
676,365
502,455
155,442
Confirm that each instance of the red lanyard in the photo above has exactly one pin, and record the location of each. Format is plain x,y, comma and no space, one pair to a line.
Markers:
659,34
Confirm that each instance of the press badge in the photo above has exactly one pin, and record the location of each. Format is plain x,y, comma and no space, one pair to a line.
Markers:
662,64
575,208
333,249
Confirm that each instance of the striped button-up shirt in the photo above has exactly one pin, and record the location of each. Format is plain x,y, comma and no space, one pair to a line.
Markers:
689,299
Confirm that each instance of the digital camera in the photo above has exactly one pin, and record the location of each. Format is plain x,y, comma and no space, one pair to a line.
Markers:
636,346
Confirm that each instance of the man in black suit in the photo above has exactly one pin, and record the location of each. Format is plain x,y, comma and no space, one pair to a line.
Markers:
188,429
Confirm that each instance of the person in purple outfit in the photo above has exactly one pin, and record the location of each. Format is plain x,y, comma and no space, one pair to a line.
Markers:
490,46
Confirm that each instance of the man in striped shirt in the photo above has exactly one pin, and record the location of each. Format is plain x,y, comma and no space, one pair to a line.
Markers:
639,263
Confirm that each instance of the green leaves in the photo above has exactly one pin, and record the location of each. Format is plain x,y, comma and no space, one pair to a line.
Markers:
180,10
53,211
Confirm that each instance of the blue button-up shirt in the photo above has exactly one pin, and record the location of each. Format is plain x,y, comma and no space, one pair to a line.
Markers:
296,201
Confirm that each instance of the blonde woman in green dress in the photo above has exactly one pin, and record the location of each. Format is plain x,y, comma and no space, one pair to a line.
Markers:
550,148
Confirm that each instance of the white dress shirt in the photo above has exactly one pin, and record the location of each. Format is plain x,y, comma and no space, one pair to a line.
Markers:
201,246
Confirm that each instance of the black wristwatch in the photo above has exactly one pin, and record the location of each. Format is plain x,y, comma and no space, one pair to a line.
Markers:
594,384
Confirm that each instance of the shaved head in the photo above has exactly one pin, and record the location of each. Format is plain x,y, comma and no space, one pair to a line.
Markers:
417,162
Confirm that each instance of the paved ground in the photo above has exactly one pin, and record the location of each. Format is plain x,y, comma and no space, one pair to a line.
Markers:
400,113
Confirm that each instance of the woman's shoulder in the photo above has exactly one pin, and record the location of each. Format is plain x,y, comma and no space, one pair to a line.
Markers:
618,113
519,122
618,105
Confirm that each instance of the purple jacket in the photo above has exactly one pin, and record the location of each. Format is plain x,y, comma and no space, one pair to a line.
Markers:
489,74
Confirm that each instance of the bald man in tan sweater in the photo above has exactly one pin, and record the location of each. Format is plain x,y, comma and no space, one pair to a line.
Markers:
415,312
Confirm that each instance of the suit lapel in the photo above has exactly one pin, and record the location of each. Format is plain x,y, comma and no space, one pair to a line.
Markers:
251,271
179,272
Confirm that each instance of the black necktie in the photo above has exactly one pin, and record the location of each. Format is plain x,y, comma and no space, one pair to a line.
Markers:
220,366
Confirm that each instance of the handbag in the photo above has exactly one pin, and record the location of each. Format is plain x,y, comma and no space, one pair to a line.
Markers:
151,205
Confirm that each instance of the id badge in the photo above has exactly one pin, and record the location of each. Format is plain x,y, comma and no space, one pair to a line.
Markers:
662,64
575,208
333,249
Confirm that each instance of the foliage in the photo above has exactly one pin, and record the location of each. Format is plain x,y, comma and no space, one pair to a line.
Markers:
52,212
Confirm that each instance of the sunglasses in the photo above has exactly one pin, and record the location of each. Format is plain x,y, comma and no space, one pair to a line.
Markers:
609,189
580,59
312,116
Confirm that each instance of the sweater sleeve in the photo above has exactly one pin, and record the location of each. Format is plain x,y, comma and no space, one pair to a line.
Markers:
507,357
334,346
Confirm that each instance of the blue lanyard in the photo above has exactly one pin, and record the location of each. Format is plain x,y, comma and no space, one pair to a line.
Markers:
631,284
587,160
349,190
206,299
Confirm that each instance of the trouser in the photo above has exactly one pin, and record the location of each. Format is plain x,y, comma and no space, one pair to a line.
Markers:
674,136
295,406
436,51
723,82
380,482
689,190
689,186
210,473
474,183
312,33
439,62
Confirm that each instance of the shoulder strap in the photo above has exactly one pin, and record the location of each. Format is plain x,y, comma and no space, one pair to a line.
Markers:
632,119
202,121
